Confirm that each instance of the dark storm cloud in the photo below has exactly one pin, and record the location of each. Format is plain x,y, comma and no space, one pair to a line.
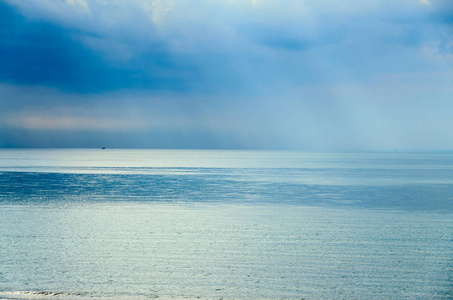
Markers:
41,53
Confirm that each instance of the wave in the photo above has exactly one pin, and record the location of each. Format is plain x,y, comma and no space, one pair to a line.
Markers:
40,294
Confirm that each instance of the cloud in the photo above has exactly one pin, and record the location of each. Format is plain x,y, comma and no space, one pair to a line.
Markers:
250,74
232,46
34,121
404,111
35,52
42,53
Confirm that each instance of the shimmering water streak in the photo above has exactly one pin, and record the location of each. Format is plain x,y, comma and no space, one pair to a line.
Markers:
404,181
235,251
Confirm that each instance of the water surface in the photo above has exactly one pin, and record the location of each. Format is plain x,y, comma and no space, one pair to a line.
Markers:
234,224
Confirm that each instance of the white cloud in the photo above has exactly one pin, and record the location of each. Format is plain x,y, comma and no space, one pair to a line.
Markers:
81,3
158,9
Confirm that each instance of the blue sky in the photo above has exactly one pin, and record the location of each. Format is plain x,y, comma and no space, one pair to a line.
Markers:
263,74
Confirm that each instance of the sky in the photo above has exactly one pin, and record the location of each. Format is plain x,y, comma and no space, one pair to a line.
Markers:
320,75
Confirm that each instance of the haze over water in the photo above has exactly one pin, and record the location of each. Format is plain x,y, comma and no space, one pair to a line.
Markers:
234,224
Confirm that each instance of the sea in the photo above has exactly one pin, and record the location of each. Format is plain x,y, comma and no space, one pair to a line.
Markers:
225,224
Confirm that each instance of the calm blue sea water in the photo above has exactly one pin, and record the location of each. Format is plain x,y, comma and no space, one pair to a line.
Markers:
78,224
